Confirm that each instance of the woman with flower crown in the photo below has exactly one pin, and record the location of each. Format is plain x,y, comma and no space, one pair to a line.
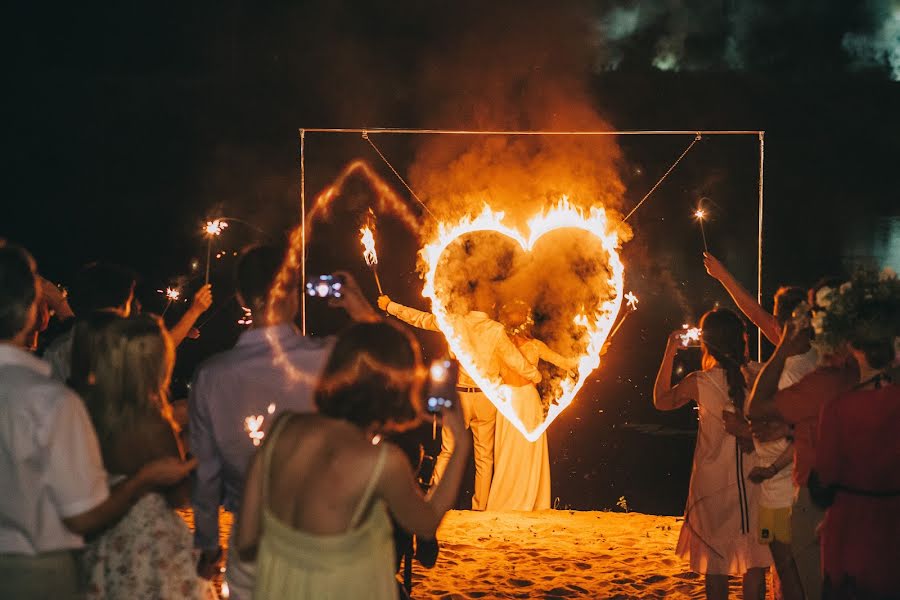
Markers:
858,454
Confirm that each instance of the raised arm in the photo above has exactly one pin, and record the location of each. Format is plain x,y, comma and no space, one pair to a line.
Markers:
761,401
415,514
742,298
410,316
202,301
554,358
666,397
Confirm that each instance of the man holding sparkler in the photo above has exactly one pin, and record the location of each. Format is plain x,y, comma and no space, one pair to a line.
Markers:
491,349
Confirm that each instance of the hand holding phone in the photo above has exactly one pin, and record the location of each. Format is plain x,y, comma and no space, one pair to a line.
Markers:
441,393
325,286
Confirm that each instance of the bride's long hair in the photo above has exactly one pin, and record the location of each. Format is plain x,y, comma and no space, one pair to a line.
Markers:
724,342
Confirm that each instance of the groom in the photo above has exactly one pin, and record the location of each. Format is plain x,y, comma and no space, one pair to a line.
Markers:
490,348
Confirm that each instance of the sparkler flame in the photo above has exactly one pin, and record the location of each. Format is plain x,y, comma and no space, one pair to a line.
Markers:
596,323
215,227
631,301
367,238
252,426
690,335
700,214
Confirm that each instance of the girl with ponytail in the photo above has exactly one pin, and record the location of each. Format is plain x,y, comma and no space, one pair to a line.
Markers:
718,536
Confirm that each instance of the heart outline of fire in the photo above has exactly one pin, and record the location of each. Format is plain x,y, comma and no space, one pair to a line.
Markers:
597,325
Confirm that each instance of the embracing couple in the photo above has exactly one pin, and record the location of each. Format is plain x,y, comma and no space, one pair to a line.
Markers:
511,473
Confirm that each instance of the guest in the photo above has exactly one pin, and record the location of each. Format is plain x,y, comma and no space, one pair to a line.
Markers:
775,472
722,508
54,485
316,507
799,405
858,455
491,350
97,286
249,382
743,299
124,378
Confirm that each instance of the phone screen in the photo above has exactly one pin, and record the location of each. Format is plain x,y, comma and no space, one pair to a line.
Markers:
441,392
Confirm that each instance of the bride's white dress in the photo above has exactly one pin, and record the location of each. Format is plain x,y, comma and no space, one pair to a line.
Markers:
522,468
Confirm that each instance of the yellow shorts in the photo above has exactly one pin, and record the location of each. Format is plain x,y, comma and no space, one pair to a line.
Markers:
774,525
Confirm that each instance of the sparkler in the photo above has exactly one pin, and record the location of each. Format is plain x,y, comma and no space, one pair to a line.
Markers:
700,215
631,302
172,294
367,238
252,426
690,335
213,229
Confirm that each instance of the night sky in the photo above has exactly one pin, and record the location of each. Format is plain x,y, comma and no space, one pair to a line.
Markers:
128,125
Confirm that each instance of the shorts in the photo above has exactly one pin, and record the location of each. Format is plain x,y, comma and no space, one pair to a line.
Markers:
774,525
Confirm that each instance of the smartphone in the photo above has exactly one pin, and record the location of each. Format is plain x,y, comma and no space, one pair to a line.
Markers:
443,377
325,286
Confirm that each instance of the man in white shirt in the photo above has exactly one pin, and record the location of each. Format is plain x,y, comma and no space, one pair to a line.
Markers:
486,341
52,477
236,394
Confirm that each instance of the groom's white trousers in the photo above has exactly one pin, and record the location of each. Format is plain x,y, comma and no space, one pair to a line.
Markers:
480,416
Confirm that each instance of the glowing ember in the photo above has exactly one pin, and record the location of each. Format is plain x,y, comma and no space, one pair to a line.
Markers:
252,426
215,227
247,318
368,242
595,322
631,300
690,336
700,214
271,408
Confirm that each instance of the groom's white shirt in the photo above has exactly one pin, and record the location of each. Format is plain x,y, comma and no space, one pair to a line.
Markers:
485,339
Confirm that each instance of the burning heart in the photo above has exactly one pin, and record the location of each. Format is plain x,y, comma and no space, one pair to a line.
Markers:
566,268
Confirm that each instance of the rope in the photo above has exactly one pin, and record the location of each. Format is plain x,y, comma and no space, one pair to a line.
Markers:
696,139
520,132
365,136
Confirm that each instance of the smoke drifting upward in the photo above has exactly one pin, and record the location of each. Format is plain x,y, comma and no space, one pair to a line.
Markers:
523,65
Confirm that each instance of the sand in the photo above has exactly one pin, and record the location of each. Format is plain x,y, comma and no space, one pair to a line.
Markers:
553,554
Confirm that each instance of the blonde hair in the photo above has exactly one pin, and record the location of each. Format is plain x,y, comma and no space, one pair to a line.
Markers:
130,368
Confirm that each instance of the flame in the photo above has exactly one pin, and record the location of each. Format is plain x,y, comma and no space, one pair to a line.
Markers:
368,242
172,294
700,214
252,426
632,301
597,323
691,334
215,227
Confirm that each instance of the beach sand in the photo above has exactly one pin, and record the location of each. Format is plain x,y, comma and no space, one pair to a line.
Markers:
554,554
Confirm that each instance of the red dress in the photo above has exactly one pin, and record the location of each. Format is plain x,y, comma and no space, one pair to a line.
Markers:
859,448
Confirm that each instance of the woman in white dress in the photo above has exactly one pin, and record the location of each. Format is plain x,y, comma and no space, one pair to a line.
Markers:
718,536
522,468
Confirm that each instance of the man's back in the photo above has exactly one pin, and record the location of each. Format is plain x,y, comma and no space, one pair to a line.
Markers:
238,392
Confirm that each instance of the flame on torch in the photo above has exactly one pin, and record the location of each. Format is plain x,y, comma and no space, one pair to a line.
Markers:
367,238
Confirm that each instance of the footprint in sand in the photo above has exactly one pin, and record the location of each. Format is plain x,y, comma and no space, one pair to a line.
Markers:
654,579
583,565
560,593
521,582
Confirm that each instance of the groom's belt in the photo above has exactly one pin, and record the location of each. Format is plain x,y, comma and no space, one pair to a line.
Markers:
468,390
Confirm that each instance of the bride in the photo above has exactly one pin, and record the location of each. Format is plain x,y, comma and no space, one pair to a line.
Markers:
522,468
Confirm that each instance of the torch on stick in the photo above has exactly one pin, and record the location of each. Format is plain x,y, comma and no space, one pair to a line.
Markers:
213,229
367,238
631,302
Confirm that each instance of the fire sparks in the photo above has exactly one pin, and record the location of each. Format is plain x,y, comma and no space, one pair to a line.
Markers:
252,426
247,318
368,242
215,227
691,335
595,323
700,214
631,300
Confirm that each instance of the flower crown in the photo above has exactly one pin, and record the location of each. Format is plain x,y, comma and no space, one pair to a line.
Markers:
866,308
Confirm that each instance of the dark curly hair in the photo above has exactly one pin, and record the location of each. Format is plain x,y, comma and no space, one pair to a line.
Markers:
374,376
724,337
